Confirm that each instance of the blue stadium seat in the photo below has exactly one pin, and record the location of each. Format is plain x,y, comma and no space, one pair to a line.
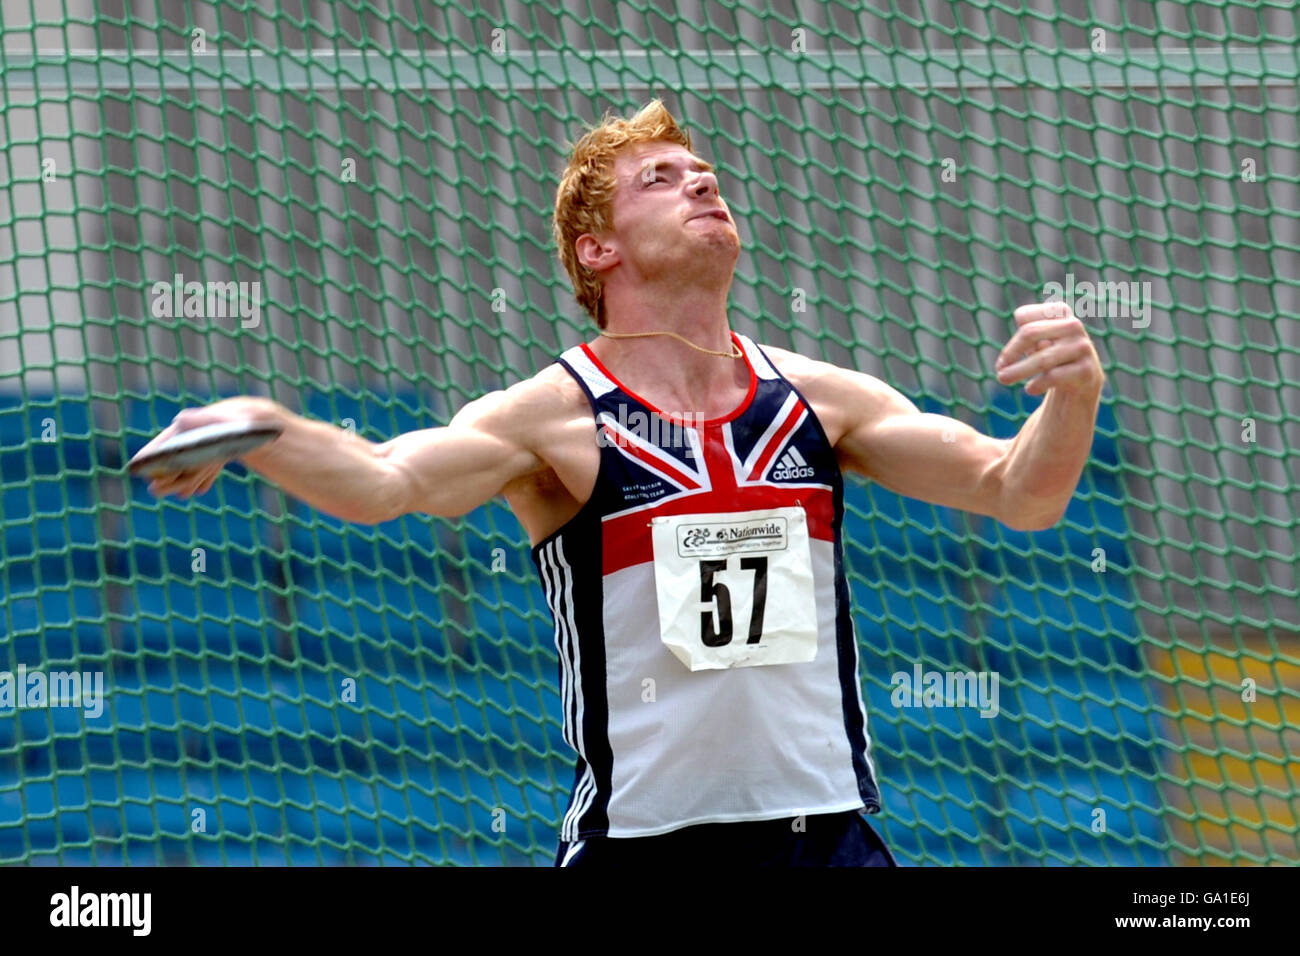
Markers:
162,533
38,731
171,712
439,712
1094,518
912,612
67,855
496,621
276,713
477,714
41,815
358,618
508,719
152,716
433,548
1087,718
895,529
149,806
247,802
903,727
53,622
1084,619
443,813
1052,821
417,542
481,613
279,852
492,531
348,812
25,425
50,529
935,817
510,622
196,614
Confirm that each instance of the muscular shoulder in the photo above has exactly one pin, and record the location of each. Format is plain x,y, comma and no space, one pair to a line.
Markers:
841,398
547,414
528,408
799,369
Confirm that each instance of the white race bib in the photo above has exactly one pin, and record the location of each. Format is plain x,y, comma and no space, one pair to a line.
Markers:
736,589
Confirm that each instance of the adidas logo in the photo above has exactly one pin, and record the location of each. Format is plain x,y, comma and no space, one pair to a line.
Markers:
791,465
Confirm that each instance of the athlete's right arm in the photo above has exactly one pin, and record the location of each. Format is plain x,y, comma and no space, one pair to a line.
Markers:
445,471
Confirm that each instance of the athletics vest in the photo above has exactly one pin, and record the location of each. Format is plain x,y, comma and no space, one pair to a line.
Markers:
708,663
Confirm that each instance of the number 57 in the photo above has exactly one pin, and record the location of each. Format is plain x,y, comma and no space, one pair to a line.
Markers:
717,594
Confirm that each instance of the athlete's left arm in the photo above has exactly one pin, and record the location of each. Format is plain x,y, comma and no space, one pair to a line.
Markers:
1025,482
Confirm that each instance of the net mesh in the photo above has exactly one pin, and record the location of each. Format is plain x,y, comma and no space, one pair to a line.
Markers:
361,193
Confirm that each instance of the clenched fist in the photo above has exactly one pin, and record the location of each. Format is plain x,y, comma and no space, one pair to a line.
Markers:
1052,350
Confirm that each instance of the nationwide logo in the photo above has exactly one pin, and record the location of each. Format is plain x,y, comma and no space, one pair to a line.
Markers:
732,537
791,465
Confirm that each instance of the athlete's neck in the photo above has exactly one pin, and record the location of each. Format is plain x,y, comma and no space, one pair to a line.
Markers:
668,372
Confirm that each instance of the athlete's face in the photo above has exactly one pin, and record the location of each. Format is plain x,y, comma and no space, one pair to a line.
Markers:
669,218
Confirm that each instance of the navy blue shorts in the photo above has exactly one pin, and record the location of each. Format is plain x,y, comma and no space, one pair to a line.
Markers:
828,839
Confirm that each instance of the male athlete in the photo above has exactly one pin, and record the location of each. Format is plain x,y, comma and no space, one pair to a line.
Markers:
682,489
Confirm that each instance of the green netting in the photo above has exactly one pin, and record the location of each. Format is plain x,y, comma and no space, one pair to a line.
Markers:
281,687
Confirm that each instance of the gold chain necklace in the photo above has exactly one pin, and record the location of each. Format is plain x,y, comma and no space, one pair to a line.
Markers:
734,353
